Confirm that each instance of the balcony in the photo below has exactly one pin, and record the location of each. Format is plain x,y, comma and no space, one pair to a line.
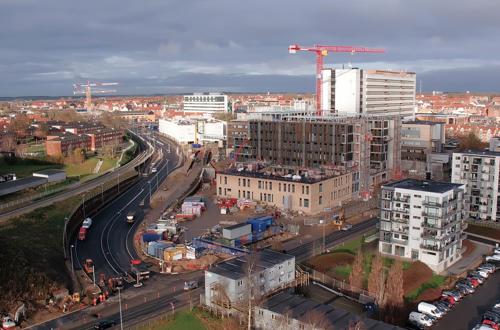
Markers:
430,247
400,241
402,210
401,220
430,225
432,203
431,215
430,234
404,199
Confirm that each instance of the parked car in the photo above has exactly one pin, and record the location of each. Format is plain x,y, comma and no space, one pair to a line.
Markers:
482,327
420,319
87,223
8,323
489,267
494,258
472,281
462,289
105,324
430,309
443,305
484,274
465,286
476,277
452,293
448,300
492,317
491,324
346,227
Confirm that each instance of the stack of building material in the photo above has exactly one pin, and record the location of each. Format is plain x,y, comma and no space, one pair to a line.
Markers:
192,208
156,249
246,203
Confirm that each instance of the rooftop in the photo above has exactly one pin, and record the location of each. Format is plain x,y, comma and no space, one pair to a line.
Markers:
479,153
49,171
422,122
236,226
237,268
424,185
269,176
297,308
12,186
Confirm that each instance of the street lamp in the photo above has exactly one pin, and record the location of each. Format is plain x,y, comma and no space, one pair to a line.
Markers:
93,274
71,257
149,182
83,205
120,303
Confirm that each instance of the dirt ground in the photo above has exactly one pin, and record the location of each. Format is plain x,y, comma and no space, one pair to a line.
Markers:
326,263
415,276
484,231
468,246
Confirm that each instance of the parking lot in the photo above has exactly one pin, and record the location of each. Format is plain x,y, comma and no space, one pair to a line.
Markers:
469,310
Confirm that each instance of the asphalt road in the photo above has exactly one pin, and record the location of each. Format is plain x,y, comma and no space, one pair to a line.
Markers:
469,310
89,185
109,242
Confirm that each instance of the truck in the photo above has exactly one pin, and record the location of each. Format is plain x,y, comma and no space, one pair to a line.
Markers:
139,269
82,234
131,217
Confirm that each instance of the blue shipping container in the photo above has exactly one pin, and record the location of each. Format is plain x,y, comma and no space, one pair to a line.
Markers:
150,237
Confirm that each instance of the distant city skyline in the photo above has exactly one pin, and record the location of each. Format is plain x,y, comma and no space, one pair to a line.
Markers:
222,45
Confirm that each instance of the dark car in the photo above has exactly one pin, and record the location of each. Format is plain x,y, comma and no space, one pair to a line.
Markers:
464,288
106,324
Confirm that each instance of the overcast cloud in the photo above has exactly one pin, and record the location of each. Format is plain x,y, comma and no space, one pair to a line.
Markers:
162,46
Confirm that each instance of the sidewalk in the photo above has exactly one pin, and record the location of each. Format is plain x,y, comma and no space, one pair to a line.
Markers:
469,261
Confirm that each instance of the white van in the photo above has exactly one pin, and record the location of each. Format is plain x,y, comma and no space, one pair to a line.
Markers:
420,319
429,309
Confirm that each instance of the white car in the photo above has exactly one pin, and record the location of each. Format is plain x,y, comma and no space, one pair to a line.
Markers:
8,323
420,319
429,309
495,257
87,223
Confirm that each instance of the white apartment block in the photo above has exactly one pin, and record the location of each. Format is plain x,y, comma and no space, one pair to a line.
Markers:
480,172
195,130
422,220
357,91
206,103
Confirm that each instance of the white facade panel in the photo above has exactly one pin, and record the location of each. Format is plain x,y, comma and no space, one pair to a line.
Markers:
347,91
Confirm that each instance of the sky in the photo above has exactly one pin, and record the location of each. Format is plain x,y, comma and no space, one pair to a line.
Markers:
166,46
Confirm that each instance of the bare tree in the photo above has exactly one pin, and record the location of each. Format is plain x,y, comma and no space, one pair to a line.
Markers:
470,141
252,286
376,279
315,320
394,292
356,276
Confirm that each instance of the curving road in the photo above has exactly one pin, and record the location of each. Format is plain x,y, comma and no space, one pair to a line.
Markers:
109,242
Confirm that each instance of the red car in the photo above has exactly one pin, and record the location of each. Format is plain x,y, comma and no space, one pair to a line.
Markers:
449,299
82,234
474,282
491,324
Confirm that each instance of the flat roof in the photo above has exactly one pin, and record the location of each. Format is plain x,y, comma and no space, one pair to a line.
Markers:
297,307
260,175
49,171
9,187
236,268
479,152
423,185
238,225
422,122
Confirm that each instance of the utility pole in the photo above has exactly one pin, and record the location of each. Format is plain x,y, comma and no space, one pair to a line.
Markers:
93,274
71,257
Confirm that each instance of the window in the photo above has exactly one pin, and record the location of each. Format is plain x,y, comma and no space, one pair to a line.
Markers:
239,182
300,202
302,189
320,200
307,190
220,191
293,188
225,180
270,186
240,283
259,184
248,183
244,182
279,186
306,202
320,188
239,194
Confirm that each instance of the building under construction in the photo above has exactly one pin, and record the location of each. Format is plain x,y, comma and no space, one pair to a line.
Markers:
367,144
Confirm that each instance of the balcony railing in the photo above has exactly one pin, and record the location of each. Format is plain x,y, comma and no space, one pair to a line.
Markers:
397,209
430,247
404,199
432,203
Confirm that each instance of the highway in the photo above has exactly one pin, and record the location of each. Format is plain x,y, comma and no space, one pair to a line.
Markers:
78,189
109,242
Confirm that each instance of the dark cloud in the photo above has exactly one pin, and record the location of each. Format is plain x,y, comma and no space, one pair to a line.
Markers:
180,46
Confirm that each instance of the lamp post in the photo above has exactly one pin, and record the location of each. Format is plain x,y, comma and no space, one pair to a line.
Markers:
120,304
71,257
93,274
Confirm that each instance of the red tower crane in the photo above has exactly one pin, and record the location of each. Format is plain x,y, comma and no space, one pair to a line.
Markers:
321,51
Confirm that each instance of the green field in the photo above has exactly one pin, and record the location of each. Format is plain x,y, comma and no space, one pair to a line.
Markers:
183,320
435,282
25,167
32,254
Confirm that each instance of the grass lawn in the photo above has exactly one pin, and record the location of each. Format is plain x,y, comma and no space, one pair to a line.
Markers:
183,320
87,167
25,167
31,253
108,163
434,282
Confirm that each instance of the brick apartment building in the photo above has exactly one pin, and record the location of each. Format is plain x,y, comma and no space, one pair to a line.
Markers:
104,136
63,143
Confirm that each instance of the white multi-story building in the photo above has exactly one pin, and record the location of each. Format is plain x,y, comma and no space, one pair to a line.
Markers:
480,171
194,130
495,144
206,103
357,91
229,283
422,220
